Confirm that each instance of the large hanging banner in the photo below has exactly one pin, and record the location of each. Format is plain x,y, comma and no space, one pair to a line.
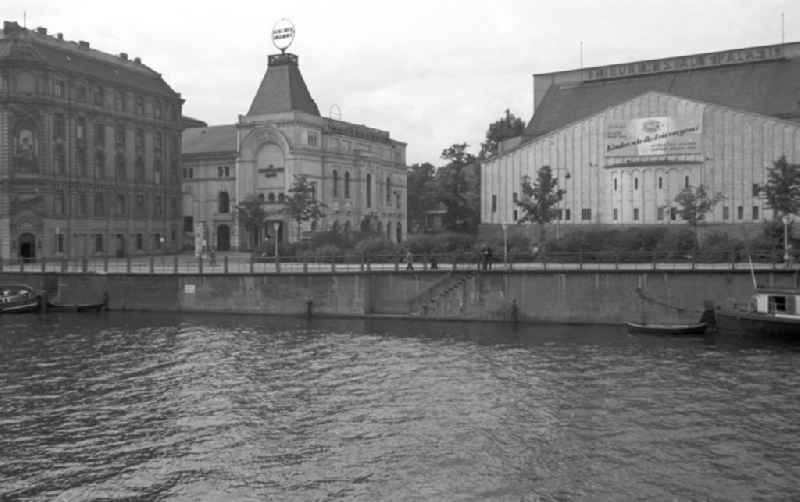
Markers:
670,135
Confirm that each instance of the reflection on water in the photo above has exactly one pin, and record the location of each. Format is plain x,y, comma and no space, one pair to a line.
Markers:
167,407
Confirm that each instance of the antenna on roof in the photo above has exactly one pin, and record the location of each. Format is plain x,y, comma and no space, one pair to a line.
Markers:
25,19
581,55
782,25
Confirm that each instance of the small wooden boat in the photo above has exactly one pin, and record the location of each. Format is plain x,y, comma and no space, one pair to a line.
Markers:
667,329
77,307
19,298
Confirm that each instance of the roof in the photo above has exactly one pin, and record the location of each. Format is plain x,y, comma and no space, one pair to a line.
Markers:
213,139
21,44
768,88
282,89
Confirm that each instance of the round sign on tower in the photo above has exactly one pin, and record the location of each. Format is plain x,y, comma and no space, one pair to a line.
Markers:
283,34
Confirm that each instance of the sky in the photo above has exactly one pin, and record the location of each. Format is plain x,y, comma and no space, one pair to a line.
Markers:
432,73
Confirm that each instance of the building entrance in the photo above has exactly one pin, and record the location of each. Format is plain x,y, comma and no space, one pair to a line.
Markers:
223,238
27,247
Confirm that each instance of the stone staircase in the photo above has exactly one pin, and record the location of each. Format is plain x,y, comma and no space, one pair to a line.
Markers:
426,304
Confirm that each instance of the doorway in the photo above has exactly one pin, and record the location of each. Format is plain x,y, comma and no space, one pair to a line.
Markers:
27,247
223,238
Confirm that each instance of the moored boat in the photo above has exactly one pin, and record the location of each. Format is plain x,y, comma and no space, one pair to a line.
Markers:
19,298
77,307
667,329
771,312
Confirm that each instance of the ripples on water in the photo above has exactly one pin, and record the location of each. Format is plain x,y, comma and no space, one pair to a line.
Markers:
163,407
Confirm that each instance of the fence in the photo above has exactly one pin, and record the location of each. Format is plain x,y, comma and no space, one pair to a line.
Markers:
565,261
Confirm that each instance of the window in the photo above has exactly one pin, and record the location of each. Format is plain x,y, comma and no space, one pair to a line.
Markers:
636,214
188,172
58,88
515,214
99,95
59,243
98,243
223,202
660,182
220,172
59,159
58,205
139,242
157,171
119,136
188,224
369,190
313,139
615,184
83,205
139,105
616,214
673,214
335,183
59,127
397,199
726,214
494,203
281,198
121,167
567,214
99,135
514,197
271,198
586,214
660,214
138,166
80,130
686,182
388,191
755,212
120,209
80,93
756,189
346,185
157,208
100,163
313,190
139,140
157,110
80,160
636,183
157,241
140,205
740,212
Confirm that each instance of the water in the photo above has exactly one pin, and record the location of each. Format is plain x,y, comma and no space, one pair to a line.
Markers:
169,407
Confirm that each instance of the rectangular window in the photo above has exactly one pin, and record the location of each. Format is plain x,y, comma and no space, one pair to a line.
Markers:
313,139
515,215
99,135
756,189
636,183
514,197
494,203
615,184
660,214
686,182
636,214
98,243
83,205
59,89
227,171
157,206
139,143
59,127
567,214
740,212
139,105
660,182
673,214
586,214
119,136
99,96
156,241
188,224
726,213
80,129
397,199
616,214
219,172
80,93
139,242
755,212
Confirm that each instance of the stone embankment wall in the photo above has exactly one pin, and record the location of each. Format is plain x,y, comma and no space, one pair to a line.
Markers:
530,296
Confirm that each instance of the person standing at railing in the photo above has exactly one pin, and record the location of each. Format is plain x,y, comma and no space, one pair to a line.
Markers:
409,260
434,263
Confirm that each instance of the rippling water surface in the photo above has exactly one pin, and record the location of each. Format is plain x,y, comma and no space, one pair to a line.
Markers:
168,407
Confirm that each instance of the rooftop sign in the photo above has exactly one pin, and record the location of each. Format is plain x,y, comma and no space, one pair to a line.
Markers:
682,63
283,34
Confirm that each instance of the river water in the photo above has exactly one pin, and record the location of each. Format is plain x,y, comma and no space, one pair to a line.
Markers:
169,407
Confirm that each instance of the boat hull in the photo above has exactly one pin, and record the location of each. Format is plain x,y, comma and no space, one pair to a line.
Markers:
754,323
22,308
666,329
89,307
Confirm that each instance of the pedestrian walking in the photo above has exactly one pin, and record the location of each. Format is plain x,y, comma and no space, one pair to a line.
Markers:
434,263
409,260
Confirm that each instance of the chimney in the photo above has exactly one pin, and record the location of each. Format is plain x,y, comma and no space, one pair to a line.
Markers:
60,36
137,60
41,30
83,44
123,56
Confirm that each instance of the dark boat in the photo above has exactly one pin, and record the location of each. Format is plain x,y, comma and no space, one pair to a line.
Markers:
18,299
666,329
77,307
771,312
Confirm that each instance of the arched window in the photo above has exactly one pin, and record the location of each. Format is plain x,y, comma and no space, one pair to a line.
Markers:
346,184
335,183
223,202
399,232
281,197
271,197
26,147
369,190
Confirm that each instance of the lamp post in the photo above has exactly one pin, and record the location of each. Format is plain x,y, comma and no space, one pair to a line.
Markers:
787,219
504,226
275,227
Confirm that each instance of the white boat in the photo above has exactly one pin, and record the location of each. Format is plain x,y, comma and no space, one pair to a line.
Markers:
771,311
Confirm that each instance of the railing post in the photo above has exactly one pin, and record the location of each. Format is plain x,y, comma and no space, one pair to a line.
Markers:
225,264
305,264
252,263
277,264
396,266
63,265
152,264
22,265
654,261
175,264
105,263
44,264
580,259
333,265
128,264
200,264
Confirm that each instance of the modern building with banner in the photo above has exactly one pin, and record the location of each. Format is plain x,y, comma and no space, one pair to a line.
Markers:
358,172
624,140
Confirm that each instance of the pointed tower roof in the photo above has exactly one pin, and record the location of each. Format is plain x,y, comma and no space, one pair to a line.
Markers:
282,89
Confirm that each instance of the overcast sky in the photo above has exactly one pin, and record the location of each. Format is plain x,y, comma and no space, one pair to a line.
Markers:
432,73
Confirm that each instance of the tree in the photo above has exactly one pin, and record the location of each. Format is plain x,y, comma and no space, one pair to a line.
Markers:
302,204
509,126
695,203
782,189
458,187
539,200
422,196
252,216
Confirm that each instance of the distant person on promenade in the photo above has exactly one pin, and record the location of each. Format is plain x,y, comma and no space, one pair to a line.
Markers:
434,263
409,260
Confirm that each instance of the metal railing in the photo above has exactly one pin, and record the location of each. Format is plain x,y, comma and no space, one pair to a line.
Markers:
308,263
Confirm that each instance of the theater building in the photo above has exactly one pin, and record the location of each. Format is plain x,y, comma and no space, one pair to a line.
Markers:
624,140
89,151
358,172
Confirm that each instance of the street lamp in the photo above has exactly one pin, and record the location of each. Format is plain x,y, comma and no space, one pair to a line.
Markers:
504,226
275,227
787,219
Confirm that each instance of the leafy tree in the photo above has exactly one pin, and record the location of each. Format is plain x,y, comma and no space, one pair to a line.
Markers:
695,203
302,204
782,189
422,194
509,126
458,186
539,200
252,217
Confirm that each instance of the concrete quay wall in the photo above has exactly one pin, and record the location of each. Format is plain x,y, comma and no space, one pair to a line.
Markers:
532,296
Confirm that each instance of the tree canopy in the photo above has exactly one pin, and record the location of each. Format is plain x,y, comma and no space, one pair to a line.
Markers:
782,189
252,216
458,185
695,203
302,204
539,199
422,197
507,127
